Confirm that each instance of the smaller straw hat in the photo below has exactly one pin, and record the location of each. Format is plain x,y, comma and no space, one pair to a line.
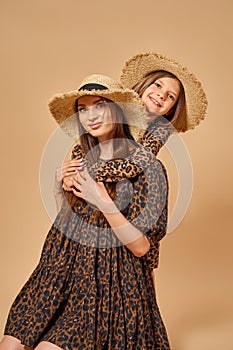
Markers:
140,65
62,106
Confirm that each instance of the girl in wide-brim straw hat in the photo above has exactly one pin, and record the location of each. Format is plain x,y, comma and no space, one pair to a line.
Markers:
63,107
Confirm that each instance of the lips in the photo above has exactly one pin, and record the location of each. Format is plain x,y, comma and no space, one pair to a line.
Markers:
155,101
94,126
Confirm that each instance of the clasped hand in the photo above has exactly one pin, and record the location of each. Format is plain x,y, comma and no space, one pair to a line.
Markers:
76,179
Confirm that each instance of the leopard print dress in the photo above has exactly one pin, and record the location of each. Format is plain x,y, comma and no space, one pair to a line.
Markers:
88,290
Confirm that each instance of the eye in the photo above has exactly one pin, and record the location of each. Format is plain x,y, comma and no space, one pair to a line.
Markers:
82,110
157,84
171,97
101,105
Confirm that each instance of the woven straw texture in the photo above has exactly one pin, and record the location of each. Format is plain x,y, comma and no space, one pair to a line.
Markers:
137,67
62,106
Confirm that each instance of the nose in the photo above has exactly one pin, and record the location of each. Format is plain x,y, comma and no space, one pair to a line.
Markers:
92,115
160,95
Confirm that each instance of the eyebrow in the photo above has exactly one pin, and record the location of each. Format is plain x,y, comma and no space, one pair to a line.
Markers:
95,102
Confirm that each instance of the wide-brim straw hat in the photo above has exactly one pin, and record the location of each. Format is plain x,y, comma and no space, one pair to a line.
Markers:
140,65
63,109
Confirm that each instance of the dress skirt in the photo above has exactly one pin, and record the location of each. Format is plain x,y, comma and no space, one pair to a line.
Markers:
88,291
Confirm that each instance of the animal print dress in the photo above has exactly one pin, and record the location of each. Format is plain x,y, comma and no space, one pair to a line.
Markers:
88,290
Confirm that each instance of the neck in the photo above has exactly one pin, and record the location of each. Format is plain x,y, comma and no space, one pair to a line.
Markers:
106,149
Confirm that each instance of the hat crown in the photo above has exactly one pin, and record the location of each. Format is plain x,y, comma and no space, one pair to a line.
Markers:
100,79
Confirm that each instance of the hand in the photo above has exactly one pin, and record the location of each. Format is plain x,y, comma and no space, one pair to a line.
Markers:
93,192
69,170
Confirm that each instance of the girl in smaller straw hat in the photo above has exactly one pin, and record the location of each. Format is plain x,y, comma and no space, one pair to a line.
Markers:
175,102
173,96
93,287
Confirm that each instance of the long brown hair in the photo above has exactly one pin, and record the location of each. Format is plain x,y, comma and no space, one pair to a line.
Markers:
178,112
122,145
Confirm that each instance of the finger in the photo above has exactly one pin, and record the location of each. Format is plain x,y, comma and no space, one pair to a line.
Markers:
72,163
68,183
71,170
64,187
72,166
77,193
68,174
68,186
76,184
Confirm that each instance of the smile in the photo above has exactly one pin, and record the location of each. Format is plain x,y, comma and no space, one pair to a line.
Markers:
155,102
94,126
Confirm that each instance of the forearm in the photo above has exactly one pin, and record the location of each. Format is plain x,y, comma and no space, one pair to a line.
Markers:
127,233
96,193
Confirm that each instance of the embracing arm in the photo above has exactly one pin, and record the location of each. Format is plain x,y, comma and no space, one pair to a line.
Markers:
96,194
148,147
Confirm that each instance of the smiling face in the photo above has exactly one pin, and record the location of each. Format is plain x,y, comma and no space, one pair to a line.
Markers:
95,116
161,96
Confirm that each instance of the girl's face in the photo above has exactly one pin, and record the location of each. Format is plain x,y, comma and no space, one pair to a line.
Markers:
95,116
161,96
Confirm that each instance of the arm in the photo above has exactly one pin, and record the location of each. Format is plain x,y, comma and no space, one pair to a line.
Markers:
157,135
149,145
96,194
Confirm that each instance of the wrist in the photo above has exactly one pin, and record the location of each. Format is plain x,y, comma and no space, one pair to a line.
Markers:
108,207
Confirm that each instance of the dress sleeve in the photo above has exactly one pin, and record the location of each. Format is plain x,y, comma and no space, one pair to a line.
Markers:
156,136
119,169
150,198
149,145
77,152
148,209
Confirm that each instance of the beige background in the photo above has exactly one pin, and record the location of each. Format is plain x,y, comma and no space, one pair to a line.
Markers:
48,47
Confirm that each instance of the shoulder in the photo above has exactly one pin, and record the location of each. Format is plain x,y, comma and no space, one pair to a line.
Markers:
160,129
156,173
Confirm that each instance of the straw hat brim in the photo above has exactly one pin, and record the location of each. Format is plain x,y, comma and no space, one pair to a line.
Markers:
137,67
62,108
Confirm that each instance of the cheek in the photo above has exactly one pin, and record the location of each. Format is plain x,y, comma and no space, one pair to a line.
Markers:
143,98
111,128
148,91
82,121
107,117
172,103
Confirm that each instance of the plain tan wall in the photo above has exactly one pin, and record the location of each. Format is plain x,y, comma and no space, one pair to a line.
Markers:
48,47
